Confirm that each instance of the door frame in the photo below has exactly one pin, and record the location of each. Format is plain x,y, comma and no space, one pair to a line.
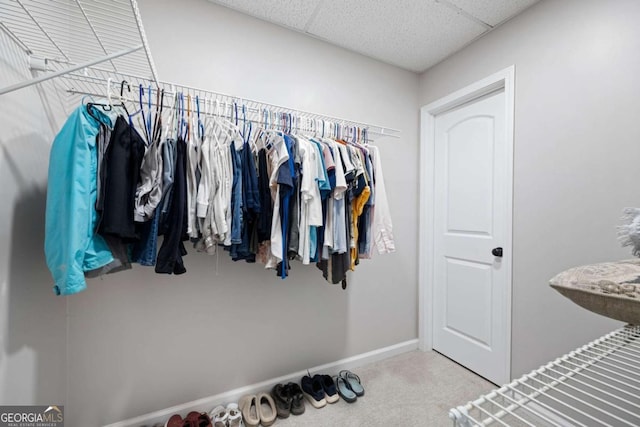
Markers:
503,79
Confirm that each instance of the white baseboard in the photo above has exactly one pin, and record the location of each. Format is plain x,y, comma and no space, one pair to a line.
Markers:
206,403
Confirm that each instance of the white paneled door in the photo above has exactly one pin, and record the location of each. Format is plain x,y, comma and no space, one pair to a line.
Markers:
471,228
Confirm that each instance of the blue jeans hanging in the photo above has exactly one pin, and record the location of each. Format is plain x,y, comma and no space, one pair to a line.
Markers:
146,250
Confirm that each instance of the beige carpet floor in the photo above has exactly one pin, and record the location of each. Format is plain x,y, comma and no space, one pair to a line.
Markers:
412,389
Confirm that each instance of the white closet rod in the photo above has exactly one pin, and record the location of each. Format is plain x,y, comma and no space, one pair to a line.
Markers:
96,86
381,130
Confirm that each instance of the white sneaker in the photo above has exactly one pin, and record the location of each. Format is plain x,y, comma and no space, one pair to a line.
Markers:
219,416
235,416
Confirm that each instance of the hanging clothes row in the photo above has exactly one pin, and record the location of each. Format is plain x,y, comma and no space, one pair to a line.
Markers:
134,188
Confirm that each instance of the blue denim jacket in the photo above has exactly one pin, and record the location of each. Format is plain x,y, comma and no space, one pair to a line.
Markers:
71,245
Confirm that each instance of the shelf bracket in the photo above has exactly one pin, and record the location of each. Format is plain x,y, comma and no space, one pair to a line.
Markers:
77,67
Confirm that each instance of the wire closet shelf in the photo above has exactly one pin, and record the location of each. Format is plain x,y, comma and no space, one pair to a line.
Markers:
92,45
595,385
207,102
62,36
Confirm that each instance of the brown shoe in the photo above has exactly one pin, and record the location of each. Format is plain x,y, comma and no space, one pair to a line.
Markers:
197,419
175,421
191,420
204,421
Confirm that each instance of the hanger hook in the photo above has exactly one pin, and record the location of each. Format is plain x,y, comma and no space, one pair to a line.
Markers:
122,83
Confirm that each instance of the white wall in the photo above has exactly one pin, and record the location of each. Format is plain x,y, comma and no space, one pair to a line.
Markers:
577,151
139,342
32,323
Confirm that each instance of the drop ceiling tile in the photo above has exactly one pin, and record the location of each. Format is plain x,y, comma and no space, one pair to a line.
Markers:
290,13
412,34
493,12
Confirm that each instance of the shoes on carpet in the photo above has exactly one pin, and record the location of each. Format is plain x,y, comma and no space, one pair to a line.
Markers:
353,382
282,399
289,399
197,419
267,411
174,421
313,391
344,391
193,419
297,399
219,416
330,392
226,417
234,418
248,406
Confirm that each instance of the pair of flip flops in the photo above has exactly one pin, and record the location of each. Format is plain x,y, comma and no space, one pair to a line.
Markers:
349,386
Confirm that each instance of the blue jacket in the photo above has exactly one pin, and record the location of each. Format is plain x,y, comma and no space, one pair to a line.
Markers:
71,245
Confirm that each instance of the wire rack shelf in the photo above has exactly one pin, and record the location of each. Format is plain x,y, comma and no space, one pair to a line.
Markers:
61,36
95,81
595,385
